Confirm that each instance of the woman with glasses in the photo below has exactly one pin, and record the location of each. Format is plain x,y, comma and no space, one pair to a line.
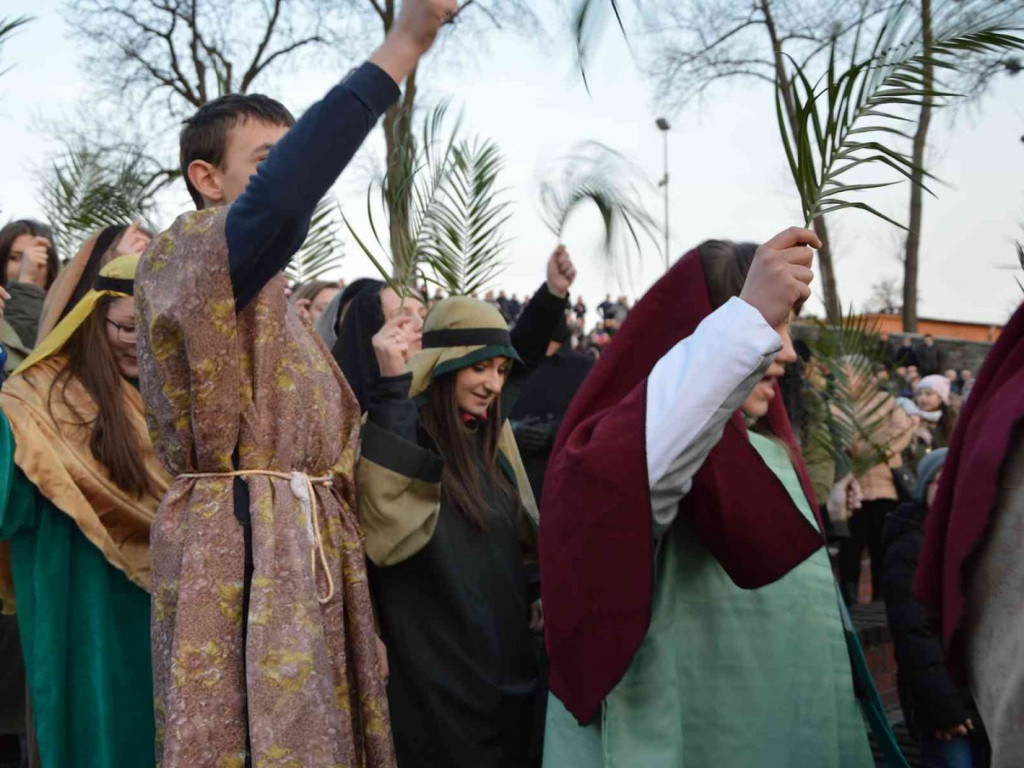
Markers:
79,487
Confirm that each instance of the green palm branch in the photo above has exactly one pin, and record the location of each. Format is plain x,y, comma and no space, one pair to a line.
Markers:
466,244
859,407
426,163
587,24
322,251
8,26
596,174
87,189
847,119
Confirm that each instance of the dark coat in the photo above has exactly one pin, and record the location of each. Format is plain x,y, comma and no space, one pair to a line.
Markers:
24,309
543,401
908,356
929,360
930,700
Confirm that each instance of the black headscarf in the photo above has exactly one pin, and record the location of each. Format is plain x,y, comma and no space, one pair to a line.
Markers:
362,317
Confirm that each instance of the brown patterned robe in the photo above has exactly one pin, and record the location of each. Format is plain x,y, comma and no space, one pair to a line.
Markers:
304,683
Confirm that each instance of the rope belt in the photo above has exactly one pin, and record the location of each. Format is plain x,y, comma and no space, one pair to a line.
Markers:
302,489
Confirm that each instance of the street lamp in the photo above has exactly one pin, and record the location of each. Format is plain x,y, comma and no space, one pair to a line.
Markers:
664,127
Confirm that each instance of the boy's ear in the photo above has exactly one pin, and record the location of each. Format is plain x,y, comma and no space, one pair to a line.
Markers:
208,179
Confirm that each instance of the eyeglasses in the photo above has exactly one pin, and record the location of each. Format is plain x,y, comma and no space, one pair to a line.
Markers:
125,334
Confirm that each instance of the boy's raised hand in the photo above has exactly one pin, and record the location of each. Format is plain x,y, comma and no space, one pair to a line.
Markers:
420,20
412,36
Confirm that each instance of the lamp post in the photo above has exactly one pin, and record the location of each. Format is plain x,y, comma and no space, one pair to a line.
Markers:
664,127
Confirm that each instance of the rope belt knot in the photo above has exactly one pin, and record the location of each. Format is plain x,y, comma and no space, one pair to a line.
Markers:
302,488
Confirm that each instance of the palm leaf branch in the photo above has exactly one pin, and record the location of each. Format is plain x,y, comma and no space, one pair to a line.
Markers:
8,26
86,189
844,116
425,162
596,174
465,252
859,407
322,250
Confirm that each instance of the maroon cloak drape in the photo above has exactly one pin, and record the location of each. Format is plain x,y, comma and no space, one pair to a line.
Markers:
969,488
596,541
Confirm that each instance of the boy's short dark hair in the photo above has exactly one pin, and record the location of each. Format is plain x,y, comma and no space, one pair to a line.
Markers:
205,135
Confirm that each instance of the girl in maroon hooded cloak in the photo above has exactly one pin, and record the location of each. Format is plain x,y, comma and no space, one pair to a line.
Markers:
692,614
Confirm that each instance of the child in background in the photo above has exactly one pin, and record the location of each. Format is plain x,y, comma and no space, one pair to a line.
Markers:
933,398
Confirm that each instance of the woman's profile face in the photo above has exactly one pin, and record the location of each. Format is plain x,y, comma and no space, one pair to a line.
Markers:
121,336
478,386
757,404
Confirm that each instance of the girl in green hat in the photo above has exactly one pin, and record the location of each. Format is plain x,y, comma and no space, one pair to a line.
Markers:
450,525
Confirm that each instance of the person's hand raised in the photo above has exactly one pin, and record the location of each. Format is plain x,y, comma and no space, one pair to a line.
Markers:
419,21
393,345
561,272
133,241
780,275
34,263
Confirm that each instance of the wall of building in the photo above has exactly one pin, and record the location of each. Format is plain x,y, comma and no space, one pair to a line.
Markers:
956,353
941,329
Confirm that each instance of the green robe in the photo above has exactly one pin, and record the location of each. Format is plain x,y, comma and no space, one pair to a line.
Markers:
728,677
84,634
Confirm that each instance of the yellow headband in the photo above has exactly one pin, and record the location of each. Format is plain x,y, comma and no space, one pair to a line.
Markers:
114,280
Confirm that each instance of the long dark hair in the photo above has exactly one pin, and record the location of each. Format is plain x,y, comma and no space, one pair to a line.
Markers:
461,480
16,229
725,265
114,440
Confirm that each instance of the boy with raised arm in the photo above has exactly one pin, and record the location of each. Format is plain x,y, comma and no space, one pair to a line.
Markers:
264,648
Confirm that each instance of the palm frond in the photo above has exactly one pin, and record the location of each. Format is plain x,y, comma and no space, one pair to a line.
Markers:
467,242
8,26
852,352
588,21
322,251
848,119
86,189
596,174
425,164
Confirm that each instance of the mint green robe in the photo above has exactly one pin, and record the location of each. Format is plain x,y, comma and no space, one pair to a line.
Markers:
728,677
84,634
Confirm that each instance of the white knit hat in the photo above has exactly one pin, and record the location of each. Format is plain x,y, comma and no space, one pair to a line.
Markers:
940,385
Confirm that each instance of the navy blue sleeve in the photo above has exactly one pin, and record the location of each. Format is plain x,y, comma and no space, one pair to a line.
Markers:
268,223
537,325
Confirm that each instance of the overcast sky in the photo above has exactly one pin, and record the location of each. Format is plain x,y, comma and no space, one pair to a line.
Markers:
728,174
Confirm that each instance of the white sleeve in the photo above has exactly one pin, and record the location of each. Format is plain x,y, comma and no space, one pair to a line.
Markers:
692,393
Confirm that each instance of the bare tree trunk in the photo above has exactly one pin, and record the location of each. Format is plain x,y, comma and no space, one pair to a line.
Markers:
833,309
911,259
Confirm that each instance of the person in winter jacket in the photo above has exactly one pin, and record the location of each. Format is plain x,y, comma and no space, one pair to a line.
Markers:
937,711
